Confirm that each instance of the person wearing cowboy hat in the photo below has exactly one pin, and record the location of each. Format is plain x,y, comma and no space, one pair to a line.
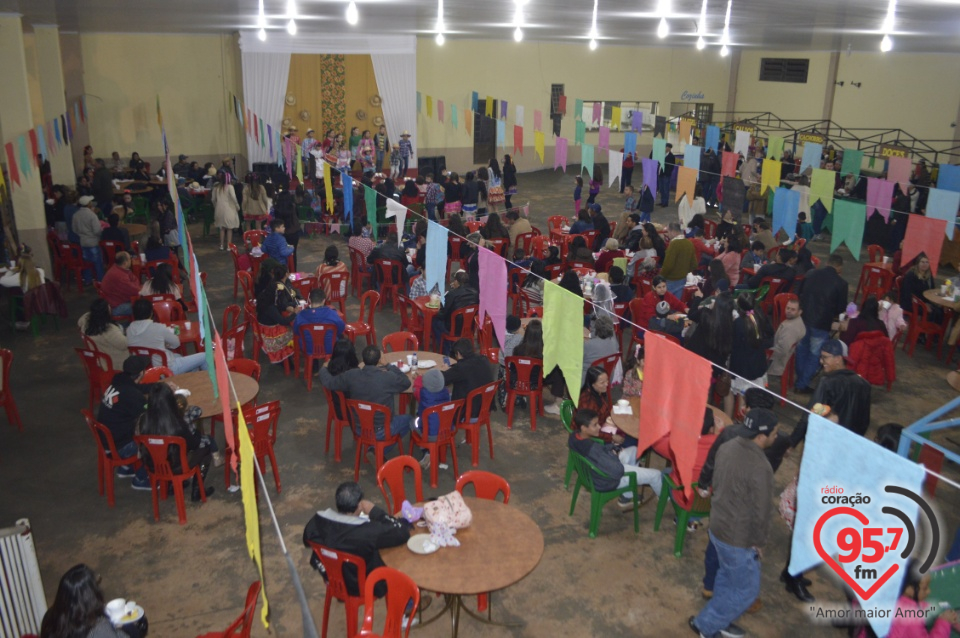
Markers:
406,152
292,135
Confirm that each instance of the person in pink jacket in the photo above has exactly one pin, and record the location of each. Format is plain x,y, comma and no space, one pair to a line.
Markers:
909,619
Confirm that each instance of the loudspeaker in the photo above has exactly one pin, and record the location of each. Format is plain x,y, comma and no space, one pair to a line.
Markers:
434,165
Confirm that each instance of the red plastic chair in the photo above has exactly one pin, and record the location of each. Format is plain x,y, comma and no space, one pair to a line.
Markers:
920,324
72,261
487,485
235,256
158,357
158,447
874,281
398,341
501,246
244,623
524,241
485,395
318,352
485,339
540,245
167,312
262,422
365,328
876,253
461,323
523,305
411,319
110,249
304,285
390,278
6,397
447,413
364,433
232,340
99,369
334,563
146,271
609,365
390,480
246,284
453,255
108,459
253,238
337,419
776,286
524,378
636,311
336,285
780,302
402,593
709,229
358,271
555,223
155,375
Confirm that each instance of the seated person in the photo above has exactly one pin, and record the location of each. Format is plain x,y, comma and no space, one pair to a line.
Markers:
579,251
609,252
429,390
162,283
599,342
469,371
155,250
662,322
357,527
119,285
593,396
275,244
144,332
390,250
459,295
867,320
583,223
783,268
373,383
754,257
114,233
648,309
124,400
319,313
622,292
614,460
99,326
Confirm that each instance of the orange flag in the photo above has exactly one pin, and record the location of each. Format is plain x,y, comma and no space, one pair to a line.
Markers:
468,123
686,183
674,399
685,126
924,235
729,166
226,400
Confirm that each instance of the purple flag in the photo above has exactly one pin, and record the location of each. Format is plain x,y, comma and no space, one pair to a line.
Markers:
637,118
537,120
651,168
596,112
270,137
503,109
604,141
493,291
560,154
879,197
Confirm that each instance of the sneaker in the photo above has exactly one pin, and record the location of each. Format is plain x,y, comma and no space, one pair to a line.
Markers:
695,629
733,631
425,461
22,325
126,471
552,408
625,503
140,484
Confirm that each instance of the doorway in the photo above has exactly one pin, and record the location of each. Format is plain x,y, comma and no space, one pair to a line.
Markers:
484,134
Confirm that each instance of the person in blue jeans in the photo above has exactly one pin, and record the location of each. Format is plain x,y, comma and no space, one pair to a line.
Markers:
823,296
741,509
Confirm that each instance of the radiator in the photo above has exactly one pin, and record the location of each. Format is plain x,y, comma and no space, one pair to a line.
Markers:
22,603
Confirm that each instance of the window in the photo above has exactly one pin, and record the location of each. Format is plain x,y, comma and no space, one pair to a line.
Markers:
556,90
784,70
649,110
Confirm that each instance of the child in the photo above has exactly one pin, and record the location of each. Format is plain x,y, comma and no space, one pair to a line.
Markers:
633,376
629,204
577,193
429,390
191,414
804,228
511,341
663,323
645,206
395,162
595,184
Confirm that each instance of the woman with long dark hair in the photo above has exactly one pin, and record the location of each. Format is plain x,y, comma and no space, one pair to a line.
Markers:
509,180
494,228
99,326
343,357
161,283
868,320
78,609
331,263
570,281
713,340
650,232
495,191
164,417
752,335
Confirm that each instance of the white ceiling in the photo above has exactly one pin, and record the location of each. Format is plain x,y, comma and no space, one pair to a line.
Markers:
921,25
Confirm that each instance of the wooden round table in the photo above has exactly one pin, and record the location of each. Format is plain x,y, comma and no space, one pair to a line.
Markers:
630,423
933,296
501,546
201,390
422,355
135,230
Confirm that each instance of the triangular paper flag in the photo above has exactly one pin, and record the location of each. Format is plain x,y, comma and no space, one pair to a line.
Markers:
660,151
518,139
742,143
435,261
924,235
419,102
899,170
537,120
691,158
811,156
821,187
493,290
770,177
501,133
603,140
578,109
630,144
468,123
686,183
429,106
879,196
775,148
586,159
399,212
560,154
615,166
852,160
786,210
538,144
519,118
563,334
440,110
943,204
728,167
949,178
713,138
488,107
596,113
615,117
474,100
849,218
581,132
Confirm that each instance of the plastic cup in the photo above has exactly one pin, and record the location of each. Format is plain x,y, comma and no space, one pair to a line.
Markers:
410,360
115,608
186,325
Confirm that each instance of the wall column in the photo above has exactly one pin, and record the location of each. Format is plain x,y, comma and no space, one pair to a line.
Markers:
16,120
830,90
52,92
734,78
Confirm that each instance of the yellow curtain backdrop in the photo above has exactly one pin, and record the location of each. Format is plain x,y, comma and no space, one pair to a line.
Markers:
334,91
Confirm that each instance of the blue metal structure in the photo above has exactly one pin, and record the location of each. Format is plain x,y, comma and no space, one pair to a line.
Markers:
915,431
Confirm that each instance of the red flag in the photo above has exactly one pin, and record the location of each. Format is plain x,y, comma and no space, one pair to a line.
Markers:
256,130
246,122
924,235
675,390
51,142
562,105
223,385
12,164
83,108
730,160
34,146
518,139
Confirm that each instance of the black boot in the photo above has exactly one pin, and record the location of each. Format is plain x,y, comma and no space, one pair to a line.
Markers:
796,587
803,579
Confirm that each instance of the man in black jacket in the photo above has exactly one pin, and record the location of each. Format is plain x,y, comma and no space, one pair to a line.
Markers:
460,295
392,251
123,402
781,269
601,225
823,296
666,173
470,371
357,527
103,186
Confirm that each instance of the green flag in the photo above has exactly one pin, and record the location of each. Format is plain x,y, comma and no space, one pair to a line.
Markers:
586,159
849,218
370,203
563,335
775,148
821,187
581,132
852,160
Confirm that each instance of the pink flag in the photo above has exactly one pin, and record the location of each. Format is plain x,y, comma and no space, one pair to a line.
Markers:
537,120
288,156
596,112
729,168
560,154
879,197
440,110
674,400
518,139
604,141
493,291
898,171
924,235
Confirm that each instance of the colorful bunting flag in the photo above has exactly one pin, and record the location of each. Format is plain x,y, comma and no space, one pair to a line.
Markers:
537,120
580,136
560,154
660,126
440,110
518,121
943,204
42,142
538,144
604,138
615,117
493,290
924,235
474,100
328,191
419,103
251,518
879,197
615,163
849,218
811,156
741,144
770,175
660,151
596,112
25,163
429,106
630,144
728,166
56,131
650,168
775,148
488,107
518,139
562,104
899,170
435,261
713,138
734,193
501,133
636,121
12,164
691,158
503,110
347,199
578,109
370,205
563,335
821,187
686,183
468,123
949,178
852,161
685,127
34,146
586,159
786,210
270,137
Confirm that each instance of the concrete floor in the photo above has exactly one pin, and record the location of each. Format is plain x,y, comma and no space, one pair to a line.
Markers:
193,579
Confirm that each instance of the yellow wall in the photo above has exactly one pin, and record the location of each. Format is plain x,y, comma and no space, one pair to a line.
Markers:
361,86
33,77
522,74
304,85
787,100
192,75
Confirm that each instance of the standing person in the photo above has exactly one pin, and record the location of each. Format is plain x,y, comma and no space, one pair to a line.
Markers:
823,296
595,183
688,210
309,143
679,260
740,515
752,335
353,143
577,194
366,154
406,153
665,175
470,196
225,208
434,197
645,204
87,226
788,335
256,204
381,143
626,176
103,186
495,192
509,180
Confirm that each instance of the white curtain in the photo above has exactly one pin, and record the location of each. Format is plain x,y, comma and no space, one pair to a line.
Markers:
397,82
264,88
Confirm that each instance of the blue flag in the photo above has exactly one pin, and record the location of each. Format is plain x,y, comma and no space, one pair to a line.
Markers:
348,199
436,259
691,158
630,142
786,209
713,137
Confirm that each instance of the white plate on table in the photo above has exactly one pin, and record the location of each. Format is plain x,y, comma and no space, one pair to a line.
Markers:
130,617
421,544
426,364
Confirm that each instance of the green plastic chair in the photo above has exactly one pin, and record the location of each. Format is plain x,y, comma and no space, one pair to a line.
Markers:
585,470
141,210
698,507
758,293
566,417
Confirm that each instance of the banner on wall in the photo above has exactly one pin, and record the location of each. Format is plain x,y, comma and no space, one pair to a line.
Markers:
816,138
893,150
749,127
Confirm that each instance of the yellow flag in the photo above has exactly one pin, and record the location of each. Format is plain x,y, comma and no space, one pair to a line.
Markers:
685,131
488,108
538,144
770,178
251,517
468,123
615,118
299,163
429,106
328,186
3,187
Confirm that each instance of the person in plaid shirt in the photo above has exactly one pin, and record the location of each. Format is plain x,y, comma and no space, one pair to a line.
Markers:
406,152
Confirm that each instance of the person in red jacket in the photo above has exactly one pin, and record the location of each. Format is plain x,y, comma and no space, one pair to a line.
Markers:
871,356
648,304
119,285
